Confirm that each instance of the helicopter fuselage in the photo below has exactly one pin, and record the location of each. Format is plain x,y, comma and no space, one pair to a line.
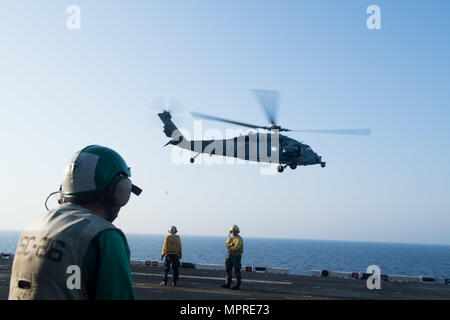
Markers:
269,147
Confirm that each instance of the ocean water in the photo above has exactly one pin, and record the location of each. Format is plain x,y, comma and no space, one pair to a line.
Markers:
300,256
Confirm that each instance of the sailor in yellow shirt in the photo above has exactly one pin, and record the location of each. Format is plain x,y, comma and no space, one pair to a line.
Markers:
235,246
171,253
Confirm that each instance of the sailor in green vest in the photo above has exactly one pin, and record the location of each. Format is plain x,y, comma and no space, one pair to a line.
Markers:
74,251
235,246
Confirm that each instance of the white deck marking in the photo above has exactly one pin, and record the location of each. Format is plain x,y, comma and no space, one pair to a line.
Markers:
216,292
214,278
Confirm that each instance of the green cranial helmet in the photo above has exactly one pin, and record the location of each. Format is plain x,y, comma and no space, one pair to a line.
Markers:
173,229
94,173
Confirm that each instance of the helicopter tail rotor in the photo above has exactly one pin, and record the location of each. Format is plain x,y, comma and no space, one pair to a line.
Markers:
161,105
171,105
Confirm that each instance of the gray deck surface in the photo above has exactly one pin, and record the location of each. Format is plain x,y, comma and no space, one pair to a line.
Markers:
205,284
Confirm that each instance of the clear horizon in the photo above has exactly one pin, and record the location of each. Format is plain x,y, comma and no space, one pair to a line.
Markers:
275,238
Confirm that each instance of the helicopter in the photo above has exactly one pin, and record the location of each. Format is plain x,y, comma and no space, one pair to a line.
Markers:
269,146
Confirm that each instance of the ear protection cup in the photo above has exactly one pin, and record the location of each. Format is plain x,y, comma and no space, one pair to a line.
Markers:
122,192
119,191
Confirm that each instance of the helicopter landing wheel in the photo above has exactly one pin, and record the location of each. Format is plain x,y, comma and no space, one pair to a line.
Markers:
280,168
293,165
192,159
323,164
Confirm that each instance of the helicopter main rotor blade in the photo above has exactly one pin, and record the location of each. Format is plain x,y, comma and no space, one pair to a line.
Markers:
208,117
268,100
359,132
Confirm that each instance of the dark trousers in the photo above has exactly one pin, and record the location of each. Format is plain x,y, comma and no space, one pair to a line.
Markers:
171,259
230,263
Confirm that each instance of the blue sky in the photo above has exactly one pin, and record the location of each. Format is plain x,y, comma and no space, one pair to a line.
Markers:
61,90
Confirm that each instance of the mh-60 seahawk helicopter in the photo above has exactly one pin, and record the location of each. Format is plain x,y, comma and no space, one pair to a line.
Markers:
269,146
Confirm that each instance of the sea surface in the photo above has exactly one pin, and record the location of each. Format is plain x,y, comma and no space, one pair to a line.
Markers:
300,256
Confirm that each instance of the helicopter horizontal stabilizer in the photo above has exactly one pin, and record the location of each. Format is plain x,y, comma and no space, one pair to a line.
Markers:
168,142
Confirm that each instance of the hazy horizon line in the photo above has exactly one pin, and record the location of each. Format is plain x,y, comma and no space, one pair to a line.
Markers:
276,238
